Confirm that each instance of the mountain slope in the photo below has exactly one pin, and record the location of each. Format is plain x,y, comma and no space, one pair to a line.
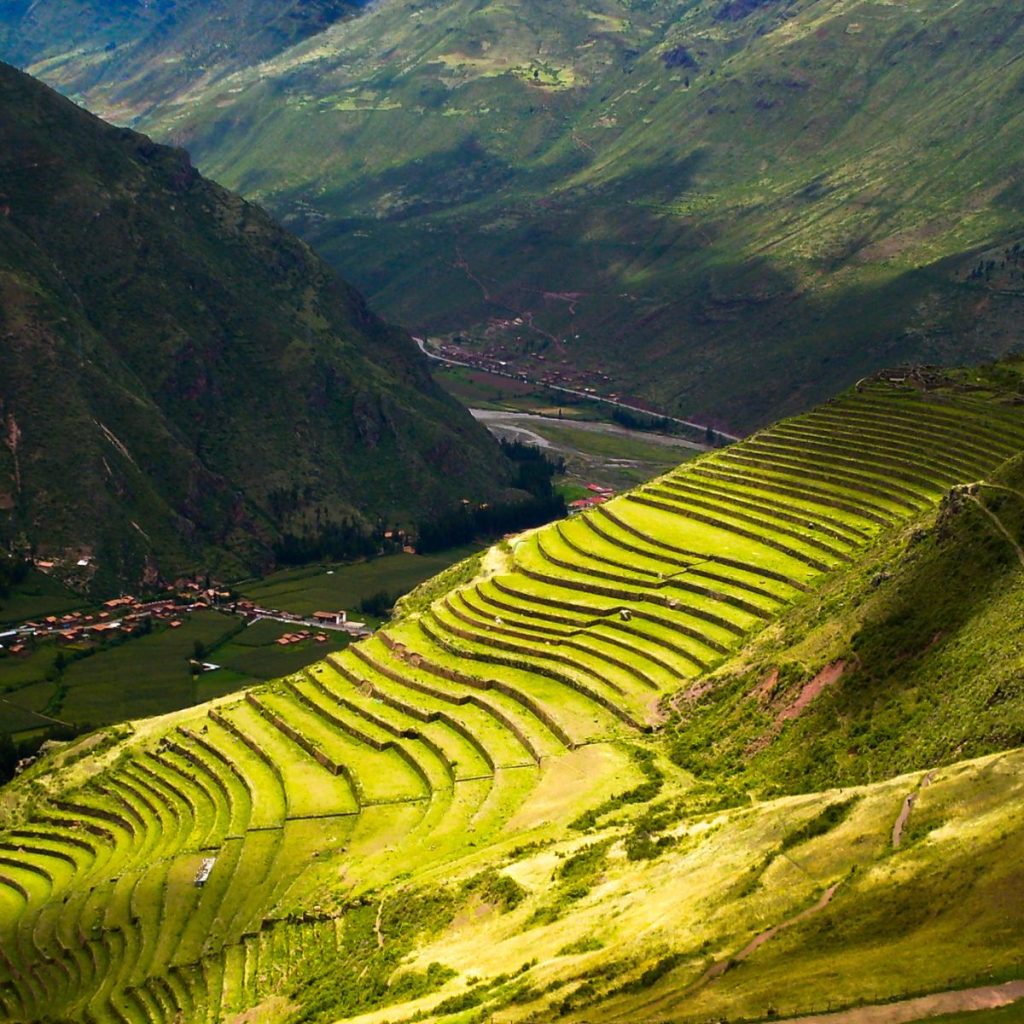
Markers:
738,207
183,380
472,814
138,48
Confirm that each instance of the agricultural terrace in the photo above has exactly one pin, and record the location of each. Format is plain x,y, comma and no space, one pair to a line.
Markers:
487,715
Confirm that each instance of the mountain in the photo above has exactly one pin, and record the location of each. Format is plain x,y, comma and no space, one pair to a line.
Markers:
134,48
183,381
741,744
738,207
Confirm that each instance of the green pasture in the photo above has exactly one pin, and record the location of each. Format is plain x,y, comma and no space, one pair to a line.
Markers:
17,671
632,448
342,586
143,676
36,597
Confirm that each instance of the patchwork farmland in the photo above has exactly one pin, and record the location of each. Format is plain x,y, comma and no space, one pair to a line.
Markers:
190,867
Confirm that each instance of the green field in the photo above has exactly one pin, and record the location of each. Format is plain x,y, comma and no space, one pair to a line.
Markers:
335,587
145,676
741,744
38,596
480,390
252,656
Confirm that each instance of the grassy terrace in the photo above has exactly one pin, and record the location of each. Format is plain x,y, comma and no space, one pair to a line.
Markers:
486,716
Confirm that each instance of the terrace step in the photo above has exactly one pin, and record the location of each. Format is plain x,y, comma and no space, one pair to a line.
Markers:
460,757
602,661
728,523
714,554
489,603
462,644
377,672
377,773
519,595
313,784
424,755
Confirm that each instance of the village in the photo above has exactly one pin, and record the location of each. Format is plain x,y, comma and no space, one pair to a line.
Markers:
127,616
598,496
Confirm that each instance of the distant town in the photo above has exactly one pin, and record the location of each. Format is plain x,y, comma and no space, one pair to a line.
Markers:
127,615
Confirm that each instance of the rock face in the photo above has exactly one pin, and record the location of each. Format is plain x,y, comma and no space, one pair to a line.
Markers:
182,379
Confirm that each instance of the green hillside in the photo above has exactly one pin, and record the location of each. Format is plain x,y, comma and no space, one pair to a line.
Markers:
738,207
156,47
183,382
559,786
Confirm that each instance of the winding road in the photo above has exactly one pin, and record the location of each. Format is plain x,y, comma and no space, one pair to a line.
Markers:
572,391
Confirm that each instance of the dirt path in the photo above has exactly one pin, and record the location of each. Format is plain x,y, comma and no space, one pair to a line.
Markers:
718,969
828,676
1001,487
908,806
461,263
988,997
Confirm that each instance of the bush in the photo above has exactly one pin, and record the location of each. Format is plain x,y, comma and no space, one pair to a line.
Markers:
824,822
501,890
585,945
378,605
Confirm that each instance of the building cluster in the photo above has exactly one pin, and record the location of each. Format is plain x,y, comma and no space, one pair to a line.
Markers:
598,496
556,369
287,639
122,616
320,621
118,616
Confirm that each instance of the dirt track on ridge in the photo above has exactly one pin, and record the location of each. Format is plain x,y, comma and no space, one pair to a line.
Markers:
987,997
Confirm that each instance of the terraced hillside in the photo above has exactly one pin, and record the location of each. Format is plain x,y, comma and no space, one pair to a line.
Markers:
390,827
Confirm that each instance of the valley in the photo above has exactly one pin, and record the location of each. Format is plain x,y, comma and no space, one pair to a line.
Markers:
79,665
511,512
740,209
594,452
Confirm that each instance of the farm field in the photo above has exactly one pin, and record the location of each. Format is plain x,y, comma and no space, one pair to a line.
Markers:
342,586
145,676
37,596
557,785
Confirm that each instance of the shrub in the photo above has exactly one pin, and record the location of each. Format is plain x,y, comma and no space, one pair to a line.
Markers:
585,945
823,822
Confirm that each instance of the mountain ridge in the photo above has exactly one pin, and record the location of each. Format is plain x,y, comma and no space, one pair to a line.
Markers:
218,384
